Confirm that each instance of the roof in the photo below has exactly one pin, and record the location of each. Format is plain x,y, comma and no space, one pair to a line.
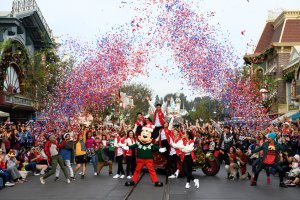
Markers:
285,28
265,39
291,31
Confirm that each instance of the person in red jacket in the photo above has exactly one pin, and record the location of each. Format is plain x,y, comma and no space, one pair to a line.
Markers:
139,124
158,115
186,145
47,151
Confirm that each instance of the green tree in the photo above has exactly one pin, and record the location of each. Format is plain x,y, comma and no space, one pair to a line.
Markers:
157,100
205,108
139,92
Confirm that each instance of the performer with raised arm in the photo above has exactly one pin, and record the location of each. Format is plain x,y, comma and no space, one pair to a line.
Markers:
140,122
158,115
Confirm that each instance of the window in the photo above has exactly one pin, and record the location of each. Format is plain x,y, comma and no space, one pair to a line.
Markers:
11,82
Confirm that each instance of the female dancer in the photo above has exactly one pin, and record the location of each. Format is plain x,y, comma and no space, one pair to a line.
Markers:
130,154
80,152
118,144
186,145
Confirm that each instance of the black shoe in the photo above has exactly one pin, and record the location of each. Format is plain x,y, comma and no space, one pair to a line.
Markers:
56,179
82,176
158,184
237,175
253,183
282,184
110,173
130,183
72,178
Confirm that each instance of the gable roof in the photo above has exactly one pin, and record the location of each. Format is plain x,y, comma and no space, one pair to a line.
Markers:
285,28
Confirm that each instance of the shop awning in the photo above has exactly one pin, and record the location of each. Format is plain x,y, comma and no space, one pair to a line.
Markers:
4,114
293,114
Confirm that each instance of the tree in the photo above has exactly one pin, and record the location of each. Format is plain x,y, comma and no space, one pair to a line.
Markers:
157,100
206,108
139,92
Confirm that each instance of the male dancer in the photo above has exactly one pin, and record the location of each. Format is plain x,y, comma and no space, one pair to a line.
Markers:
140,122
158,115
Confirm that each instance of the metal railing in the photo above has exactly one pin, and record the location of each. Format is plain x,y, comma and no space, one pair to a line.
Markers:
18,100
20,6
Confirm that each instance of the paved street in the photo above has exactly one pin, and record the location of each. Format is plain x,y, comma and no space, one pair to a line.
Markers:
105,187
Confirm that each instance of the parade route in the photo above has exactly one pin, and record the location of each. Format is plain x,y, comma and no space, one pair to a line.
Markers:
149,100
104,187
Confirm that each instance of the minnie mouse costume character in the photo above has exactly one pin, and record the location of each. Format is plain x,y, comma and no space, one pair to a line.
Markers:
144,156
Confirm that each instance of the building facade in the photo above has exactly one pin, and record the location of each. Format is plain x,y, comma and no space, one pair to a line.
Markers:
23,31
276,58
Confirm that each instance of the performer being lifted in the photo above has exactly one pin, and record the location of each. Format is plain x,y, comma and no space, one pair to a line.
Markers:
159,116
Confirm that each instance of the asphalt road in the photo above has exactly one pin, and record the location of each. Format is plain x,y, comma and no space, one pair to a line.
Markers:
105,187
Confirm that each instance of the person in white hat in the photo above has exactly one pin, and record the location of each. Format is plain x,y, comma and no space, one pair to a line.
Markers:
11,168
56,159
294,172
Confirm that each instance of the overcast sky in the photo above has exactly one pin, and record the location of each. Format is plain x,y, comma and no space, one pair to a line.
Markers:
86,19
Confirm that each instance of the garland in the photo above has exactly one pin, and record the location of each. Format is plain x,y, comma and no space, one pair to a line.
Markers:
259,58
8,57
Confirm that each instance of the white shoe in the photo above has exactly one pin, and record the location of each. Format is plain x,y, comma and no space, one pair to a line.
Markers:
95,174
42,172
177,173
122,176
9,184
68,181
36,174
187,185
116,176
128,177
196,181
42,180
80,173
172,176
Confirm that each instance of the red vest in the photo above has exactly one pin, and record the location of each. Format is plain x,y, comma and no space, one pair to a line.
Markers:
161,117
192,152
175,140
129,152
122,141
140,123
169,135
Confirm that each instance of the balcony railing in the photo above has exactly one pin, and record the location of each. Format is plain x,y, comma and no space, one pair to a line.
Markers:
17,100
20,6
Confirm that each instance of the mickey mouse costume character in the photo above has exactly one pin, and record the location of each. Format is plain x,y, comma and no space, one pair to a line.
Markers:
144,156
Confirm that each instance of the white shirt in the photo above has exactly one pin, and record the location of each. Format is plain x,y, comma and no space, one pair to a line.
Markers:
157,122
53,150
163,135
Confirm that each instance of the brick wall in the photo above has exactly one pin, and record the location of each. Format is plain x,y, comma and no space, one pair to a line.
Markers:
282,60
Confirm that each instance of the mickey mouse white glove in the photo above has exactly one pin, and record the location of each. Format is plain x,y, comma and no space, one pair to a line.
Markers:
126,148
162,150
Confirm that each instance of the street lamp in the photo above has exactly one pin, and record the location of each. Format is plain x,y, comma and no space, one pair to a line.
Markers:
264,94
